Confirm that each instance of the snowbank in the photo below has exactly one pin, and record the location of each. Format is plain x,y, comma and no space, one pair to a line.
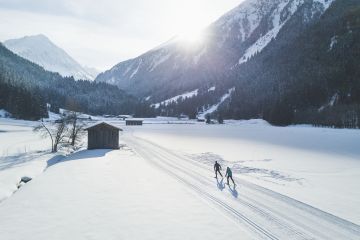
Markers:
257,122
4,114
22,153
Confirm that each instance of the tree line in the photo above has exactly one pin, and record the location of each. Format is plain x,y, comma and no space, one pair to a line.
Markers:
27,87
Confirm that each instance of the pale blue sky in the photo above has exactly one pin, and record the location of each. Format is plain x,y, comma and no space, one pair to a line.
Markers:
103,33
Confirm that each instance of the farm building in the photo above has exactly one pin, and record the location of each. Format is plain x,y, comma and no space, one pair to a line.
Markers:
134,122
103,136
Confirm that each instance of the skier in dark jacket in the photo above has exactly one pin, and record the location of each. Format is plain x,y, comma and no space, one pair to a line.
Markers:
229,175
217,169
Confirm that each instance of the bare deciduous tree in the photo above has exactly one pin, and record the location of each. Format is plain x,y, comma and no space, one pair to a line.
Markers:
76,129
45,131
57,132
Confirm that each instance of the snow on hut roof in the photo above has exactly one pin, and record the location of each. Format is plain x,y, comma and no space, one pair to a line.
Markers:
102,123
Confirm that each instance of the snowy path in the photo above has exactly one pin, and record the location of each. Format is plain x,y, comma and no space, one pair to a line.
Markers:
266,213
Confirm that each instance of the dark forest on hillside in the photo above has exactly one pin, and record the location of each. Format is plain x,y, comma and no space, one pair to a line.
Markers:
27,87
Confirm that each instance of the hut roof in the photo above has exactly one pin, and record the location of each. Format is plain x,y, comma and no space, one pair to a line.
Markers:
104,124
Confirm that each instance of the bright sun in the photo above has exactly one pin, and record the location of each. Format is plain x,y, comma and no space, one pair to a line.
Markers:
191,29
192,38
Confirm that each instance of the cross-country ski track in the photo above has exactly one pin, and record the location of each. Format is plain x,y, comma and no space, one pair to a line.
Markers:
264,213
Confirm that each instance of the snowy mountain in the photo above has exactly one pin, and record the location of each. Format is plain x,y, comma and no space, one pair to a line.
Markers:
284,60
26,89
232,40
40,50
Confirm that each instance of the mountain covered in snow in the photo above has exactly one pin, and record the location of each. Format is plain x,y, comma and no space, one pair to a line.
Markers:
40,50
27,91
230,41
278,58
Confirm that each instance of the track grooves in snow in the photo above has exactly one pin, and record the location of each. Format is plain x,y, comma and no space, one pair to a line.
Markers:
267,213
206,195
208,183
264,214
306,211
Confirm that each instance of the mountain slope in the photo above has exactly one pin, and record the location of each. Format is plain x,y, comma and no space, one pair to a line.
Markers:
290,61
40,50
177,67
27,87
308,79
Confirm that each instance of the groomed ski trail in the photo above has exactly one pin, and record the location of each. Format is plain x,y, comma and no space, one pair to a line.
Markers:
265,213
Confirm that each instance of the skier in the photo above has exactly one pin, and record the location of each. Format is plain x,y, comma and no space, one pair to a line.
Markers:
217,169
229,175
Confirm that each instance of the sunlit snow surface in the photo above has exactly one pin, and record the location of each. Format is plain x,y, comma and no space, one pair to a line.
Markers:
22,153
105,194
319,166
160,184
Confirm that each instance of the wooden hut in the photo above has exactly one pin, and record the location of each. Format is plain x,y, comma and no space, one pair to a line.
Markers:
103,136
134,122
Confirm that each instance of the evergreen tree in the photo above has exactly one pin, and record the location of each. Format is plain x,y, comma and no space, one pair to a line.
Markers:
26,88
220,118
208,119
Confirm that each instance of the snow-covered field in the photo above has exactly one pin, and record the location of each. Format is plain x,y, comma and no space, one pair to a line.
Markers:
110,195
22,153
293,183
317,166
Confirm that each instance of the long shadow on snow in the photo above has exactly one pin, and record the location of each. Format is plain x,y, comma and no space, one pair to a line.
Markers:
234,192
84,154
13,161
220,184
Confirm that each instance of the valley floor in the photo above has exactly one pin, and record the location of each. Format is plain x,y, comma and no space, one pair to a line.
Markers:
110,195
318,166
292,183
22,153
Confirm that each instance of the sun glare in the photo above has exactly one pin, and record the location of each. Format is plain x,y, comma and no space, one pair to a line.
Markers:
190,30
192,39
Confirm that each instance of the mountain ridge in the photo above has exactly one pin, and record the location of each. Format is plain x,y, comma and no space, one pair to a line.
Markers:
42,51
261,49
228,40
27,89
